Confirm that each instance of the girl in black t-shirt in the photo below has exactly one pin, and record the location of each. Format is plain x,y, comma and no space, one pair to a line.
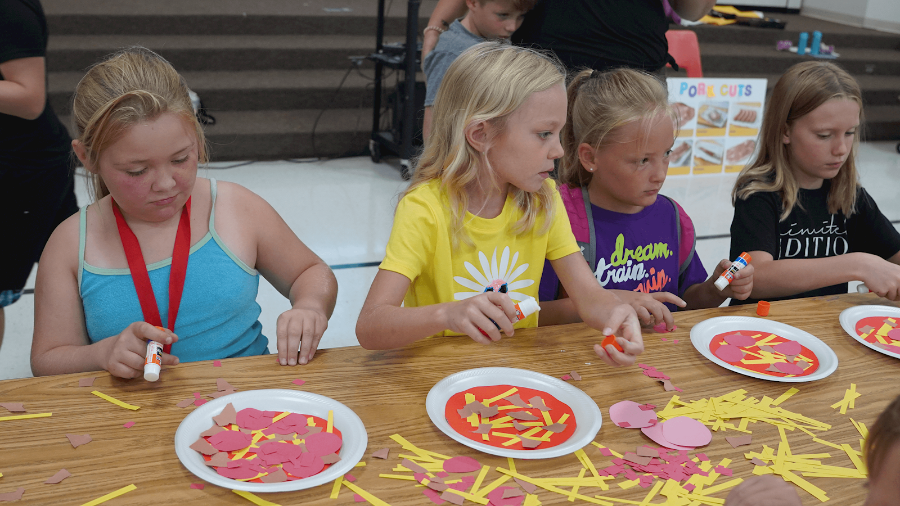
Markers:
799,208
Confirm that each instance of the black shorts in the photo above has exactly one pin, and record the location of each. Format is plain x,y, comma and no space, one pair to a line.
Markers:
32,203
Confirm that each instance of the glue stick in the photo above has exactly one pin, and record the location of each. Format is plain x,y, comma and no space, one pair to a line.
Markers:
153,362
862,288
523,308
727,277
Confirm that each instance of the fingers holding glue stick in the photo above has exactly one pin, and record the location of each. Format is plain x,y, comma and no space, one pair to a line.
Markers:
741,284
125,354
728,275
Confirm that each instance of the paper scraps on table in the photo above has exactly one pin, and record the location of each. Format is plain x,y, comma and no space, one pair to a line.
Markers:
115,401
86,382
461,464
14,407
60,475
255,499
661,328
24,417
575,376
185,403
78,440
217,363
198,486
13,496
299,382
630,414
128,425
382,453
736,441
565,377
849,400
111,495
652,372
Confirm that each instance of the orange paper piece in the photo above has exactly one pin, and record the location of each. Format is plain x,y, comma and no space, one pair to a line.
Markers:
61,475
227,416
13,407
382,453
78,440
86,382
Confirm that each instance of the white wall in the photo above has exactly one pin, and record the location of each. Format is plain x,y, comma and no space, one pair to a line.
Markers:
881,15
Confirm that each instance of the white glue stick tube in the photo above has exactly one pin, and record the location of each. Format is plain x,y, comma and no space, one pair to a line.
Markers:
153,362
523,310
862,288
727,277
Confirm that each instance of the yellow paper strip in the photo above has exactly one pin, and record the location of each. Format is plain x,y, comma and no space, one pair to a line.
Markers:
336,488
259,501
487,402
282,415
471,497
629,484
365,495
785,396
512,464
392,476
494,484
23,417
330,426
575,488
723,486
480,479
551,488
111,495
115,401
360,464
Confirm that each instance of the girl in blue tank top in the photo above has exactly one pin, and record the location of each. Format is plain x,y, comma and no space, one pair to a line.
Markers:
139,139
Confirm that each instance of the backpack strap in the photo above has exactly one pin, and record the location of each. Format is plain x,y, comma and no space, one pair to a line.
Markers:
578,206
687,238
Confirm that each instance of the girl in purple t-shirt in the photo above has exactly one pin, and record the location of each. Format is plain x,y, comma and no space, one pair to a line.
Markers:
618,137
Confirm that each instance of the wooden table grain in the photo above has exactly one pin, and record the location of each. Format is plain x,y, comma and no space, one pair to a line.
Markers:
387,389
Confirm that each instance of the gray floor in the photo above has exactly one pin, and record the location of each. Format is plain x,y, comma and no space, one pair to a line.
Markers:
343,210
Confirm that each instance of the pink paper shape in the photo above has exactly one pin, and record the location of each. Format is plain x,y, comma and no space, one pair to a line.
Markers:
689,487
217,363
788,348
663,339
631,413
788,368
497,499
655,433
299,382
86,382
433,495
60,475
723,471
78,439
307,466
661,328
894,334
198,486
605,452
461,464
240,469
675,341
128,425
230,440
686,432
565,377
253,419
199,402
323,443
350,478
740,340
702,457
729,353
358,498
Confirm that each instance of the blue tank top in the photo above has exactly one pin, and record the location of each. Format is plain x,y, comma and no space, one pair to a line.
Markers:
218,316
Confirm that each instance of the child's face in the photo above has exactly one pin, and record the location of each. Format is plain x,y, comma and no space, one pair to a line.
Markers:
522,154
495,19
884,483
819,142
629,171
150,170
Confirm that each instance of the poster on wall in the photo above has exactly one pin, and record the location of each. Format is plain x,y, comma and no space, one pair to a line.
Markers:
719,121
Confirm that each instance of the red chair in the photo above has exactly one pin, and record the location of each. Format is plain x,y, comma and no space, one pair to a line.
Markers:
683,46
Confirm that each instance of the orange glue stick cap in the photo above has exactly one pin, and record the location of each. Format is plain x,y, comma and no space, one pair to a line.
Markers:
762,308
611,339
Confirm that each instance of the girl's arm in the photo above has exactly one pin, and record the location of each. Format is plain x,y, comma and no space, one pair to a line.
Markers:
295,271
22,91
383,324
650,308
783,278
600,309
61,344
706,295
443,14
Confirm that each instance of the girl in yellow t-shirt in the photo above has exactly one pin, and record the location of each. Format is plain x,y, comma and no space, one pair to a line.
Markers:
472,231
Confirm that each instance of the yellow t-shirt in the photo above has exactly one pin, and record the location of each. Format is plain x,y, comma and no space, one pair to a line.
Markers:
420,249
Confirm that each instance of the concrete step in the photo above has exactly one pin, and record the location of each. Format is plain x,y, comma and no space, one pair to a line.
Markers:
751,60
876,89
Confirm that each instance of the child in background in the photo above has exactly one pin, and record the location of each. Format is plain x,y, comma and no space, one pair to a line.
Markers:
617,139
472,231
485,20
139,139
799,209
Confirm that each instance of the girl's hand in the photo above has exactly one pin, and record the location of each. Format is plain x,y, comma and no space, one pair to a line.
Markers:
650,307
741,285
882,277
126,352
469,315
623,322
299,329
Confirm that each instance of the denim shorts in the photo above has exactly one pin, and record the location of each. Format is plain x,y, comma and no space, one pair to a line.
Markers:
8,297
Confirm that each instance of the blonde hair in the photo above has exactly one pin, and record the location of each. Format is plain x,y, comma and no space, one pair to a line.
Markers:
128,87
601,102
801,89
488,82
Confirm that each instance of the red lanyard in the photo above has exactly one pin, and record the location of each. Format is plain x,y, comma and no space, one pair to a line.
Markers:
139,270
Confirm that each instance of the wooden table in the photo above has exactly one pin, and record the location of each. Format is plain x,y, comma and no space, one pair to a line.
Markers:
388,389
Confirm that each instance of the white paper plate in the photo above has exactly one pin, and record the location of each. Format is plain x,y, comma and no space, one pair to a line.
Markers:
587,413
850,316
352,430
703,333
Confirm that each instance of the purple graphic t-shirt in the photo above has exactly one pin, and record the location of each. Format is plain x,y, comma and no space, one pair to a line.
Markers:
637,252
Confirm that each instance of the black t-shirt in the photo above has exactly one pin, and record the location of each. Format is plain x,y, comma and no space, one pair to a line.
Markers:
42,142
599,34
810,232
